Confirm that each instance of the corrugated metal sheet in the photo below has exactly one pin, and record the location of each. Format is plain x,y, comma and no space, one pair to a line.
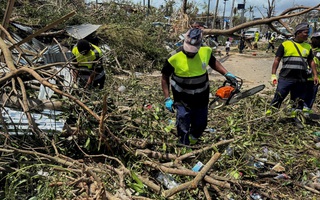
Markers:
48,120
81,31
17,121
54,54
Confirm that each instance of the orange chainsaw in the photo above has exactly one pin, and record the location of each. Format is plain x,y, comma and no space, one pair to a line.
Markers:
230,93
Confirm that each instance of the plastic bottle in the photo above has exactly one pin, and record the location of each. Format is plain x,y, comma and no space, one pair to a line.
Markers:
167,180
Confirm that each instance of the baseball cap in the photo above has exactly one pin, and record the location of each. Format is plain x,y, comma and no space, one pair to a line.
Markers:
192,40
316,34
301,27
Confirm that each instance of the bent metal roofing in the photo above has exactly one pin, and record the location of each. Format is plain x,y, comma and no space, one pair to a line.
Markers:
81,31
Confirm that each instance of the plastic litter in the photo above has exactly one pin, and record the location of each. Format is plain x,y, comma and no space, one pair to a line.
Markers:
167,180
212,130
197,167
148,106
258,165
316,133
122,88
255,196
282,176
229,151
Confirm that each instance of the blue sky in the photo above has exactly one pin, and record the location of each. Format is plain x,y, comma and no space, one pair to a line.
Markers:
281,5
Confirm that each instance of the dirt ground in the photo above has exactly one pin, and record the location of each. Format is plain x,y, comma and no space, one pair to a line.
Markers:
253,66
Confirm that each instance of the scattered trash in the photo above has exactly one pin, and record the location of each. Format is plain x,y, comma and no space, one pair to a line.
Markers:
265,151
122,88
167,180
197,167
229,151
258,165
282,176
43,173
278,168
212,130
236,174
318,145
316,133
138,74
255,196
148,106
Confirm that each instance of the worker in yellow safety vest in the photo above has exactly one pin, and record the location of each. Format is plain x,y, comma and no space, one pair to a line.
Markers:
186,73
89,70
296,55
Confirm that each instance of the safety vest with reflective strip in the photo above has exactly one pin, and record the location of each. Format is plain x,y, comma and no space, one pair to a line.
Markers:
92,55
272,39
316,59
190,74
291,57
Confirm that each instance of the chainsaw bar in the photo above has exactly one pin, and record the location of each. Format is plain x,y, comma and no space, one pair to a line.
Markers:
219,102
238,96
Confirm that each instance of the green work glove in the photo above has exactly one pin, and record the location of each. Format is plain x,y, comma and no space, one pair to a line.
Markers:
274,79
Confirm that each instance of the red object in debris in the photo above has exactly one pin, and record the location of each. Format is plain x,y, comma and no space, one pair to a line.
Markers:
148,106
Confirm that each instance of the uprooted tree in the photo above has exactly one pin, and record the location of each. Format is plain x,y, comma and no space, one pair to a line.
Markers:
120,141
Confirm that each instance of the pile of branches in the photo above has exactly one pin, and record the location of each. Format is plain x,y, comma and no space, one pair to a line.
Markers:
121,143
127,148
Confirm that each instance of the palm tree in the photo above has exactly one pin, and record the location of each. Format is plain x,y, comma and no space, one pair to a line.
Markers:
215,14
231,14
251,12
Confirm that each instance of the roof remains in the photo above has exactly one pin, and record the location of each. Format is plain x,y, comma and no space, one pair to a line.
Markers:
81,31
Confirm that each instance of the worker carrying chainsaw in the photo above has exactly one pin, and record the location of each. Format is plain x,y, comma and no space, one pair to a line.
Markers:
186,72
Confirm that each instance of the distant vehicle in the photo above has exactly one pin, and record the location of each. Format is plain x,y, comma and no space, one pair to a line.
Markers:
251,31
285,31
284,34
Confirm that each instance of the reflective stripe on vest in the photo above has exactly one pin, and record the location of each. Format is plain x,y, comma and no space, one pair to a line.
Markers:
316,59
190,75
291,57
188,86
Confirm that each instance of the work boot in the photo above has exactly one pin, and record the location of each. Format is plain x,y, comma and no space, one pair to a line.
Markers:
306,112
298,123
298,118
192,139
